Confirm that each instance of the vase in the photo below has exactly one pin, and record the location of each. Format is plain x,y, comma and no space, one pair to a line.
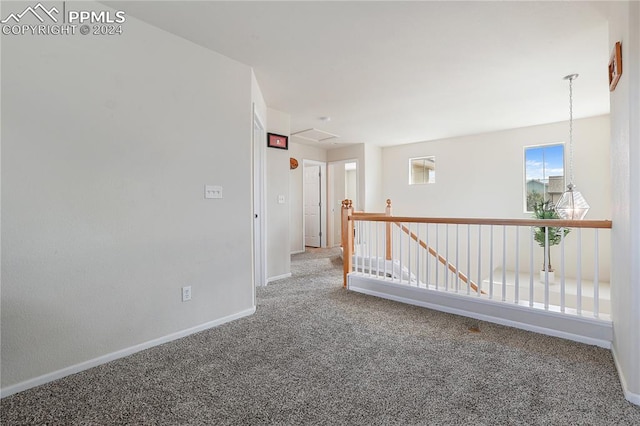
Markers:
552,276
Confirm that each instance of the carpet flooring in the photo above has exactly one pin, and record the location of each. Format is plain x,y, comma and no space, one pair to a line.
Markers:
314,353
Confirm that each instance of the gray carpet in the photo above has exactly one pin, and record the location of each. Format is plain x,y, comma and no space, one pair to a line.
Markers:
316,354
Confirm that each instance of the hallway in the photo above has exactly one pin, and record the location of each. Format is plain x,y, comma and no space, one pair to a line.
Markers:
314,353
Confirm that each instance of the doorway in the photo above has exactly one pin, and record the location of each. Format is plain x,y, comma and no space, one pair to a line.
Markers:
314,192
259,223
343,184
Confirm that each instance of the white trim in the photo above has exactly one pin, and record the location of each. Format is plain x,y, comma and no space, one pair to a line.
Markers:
73,369
633,398
538,321
278,277
297,252
258,187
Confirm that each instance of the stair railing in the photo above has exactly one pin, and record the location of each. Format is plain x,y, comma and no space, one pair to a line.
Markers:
348,212
502,254
348,233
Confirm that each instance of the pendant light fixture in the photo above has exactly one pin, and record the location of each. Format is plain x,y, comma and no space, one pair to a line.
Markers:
572,205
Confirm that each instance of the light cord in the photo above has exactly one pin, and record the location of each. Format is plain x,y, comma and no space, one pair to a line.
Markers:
571,131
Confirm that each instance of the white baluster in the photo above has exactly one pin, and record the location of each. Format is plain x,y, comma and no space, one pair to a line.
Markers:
531,270
479,292
469,259
384,258
596,279
409,254
563,301
438,254
579,274
428,258
504,263
446,257
517,283
546,267
491,262
356,226
369,247
377,249
418,257
457,258
400,256
360,233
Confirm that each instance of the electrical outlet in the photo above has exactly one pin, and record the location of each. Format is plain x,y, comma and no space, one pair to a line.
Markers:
186,293
212,191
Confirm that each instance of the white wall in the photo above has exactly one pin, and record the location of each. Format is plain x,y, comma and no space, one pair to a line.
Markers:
258,99
107,143
337,192
369,157
278,258
624,26
300,152
351,181
482,176
374,200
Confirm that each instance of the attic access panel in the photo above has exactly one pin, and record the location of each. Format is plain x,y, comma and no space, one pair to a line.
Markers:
314,135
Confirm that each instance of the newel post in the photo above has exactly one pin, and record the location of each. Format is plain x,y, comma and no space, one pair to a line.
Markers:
387,212
347,239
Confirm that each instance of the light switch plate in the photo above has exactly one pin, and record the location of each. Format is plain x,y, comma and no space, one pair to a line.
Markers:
212,191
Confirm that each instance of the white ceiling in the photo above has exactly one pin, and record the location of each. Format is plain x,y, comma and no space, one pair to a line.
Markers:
397,72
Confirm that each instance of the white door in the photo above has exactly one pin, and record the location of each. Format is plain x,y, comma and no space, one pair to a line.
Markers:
312,206
259,226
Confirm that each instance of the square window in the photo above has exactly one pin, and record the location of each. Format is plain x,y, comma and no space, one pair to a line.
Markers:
422,170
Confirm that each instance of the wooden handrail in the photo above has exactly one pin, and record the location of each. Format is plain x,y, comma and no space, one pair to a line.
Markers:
438,256
349,216
558,223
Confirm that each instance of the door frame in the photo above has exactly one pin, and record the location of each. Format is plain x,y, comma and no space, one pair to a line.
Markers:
323,201
331,196
259,224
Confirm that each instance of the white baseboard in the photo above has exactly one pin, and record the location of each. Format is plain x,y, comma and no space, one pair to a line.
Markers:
633,398
278,277
55,375
543,322
296,252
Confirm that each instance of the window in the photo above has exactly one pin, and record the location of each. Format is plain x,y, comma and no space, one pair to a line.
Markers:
543,174
422,170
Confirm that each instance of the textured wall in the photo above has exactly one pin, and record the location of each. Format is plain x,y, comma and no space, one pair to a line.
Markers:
278,244
483,176
107,143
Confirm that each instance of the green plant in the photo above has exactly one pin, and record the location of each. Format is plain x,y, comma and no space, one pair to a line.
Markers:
546,210
533,198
